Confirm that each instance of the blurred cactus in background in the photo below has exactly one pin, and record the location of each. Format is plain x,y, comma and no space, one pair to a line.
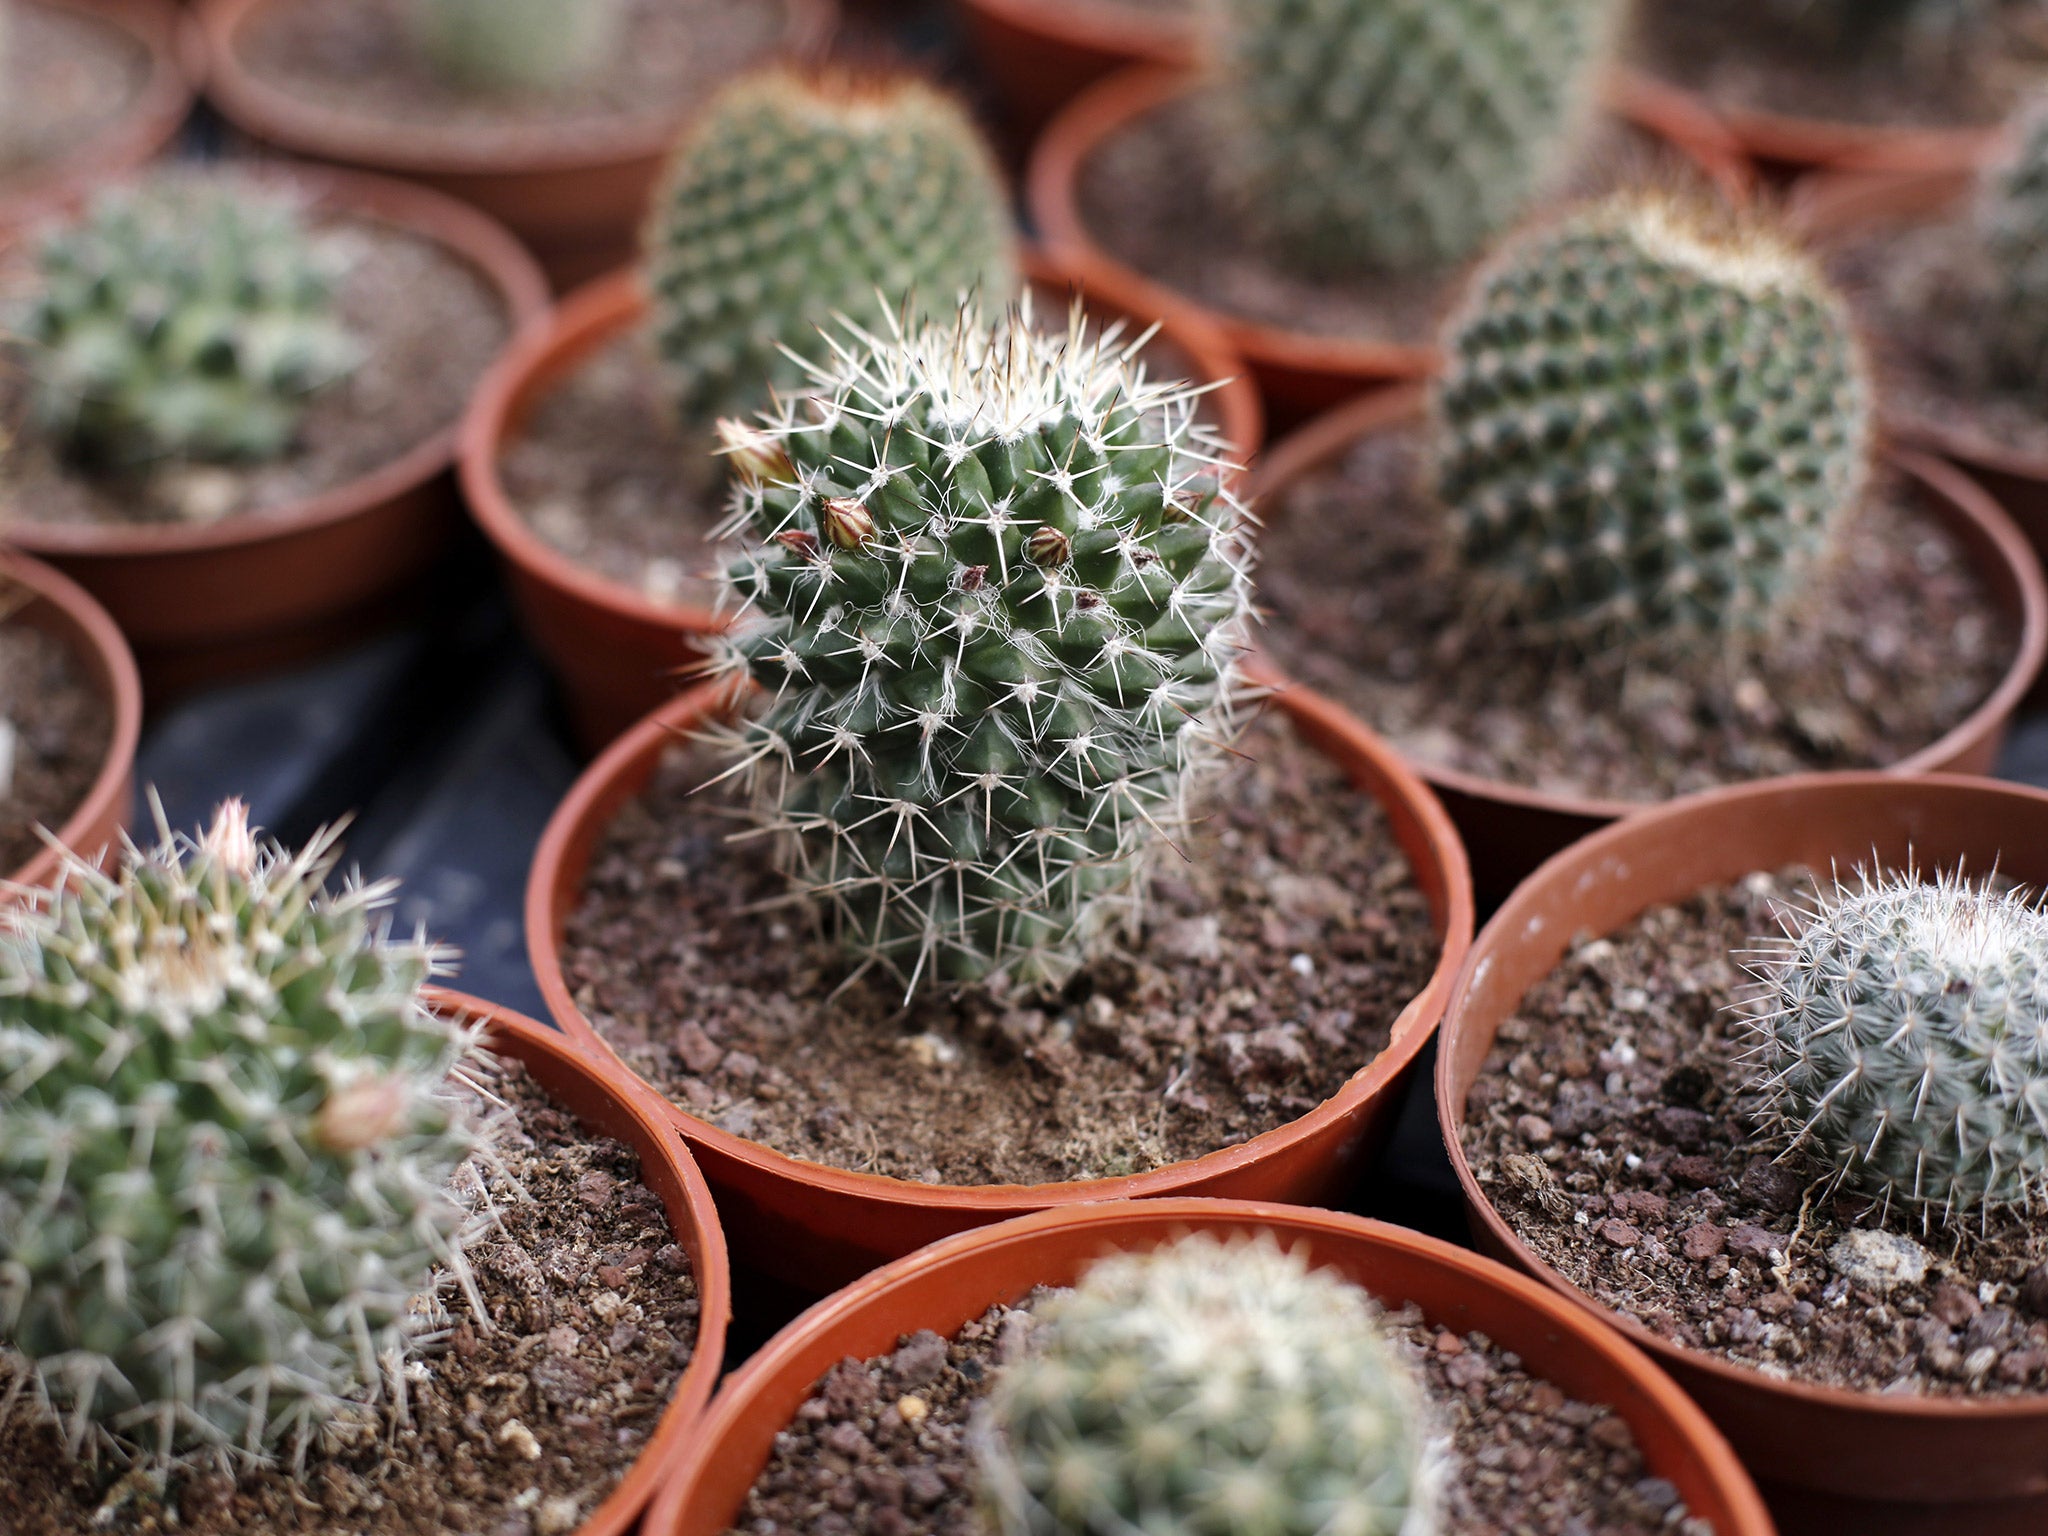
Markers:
515,45
2012,218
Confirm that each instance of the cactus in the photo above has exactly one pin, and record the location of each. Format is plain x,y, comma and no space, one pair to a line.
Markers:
996,598
1400,135
1901,1034
1651,425
796,198
227,1145
514,45
2012,222
185,316
1207,1389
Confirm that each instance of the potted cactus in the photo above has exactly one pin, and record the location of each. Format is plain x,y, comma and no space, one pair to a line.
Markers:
1637,542
273,1223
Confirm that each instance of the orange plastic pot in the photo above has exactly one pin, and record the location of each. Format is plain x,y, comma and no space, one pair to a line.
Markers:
577,204
1040,54
149,124
816,1227
1511,829
617,652
954,1282
59,607
1299,374
1830,1460
202,601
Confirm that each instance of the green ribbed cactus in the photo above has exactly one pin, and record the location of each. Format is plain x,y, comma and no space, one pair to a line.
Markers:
1901,1035
228,1140
796,198
1400,135
1207,1389
2012,221
1651,424
183,317
993,590
514,45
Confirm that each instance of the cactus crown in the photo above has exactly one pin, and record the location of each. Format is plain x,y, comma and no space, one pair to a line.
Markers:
1649,426
797,197
514,45
2012,220
182,317
1401,134
1207,1389
1901,1033
996,595
228,1141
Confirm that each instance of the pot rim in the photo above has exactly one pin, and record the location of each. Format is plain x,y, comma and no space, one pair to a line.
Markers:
1963,501
1104,25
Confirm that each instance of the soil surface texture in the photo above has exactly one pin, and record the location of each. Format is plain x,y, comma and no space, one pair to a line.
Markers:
1271,967
521,1430
1901,640
67,79
1613,1128
60,726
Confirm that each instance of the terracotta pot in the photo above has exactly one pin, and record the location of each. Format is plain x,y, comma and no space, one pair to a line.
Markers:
617,652
1843,1457
1040,54
1300,374
149,124
201,601
578,204
954,1282
1510,829
59,607
816,1227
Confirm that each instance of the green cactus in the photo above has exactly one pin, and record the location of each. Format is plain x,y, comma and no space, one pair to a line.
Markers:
2012,222
1400,135
1901,1034
1652,424
799,197
1207,1389
515,45
183,317
993,589
227,1144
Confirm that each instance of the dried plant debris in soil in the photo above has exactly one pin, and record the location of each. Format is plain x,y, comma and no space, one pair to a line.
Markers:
1901,642
429,325
61,726
1272,966
354,58
881,1447
520,1431
69,77
1611,1128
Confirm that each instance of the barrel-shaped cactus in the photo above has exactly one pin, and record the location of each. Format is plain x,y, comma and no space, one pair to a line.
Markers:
2012,220
1900,1035
1652,423
1207,1389
229,1140
994,593
801,196
1400,135
514,45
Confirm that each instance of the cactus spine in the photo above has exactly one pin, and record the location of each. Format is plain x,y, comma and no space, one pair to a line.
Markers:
1207,1389
994,592
515,45
227,1145
796,198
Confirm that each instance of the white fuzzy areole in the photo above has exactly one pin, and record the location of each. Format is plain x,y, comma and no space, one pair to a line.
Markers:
1749,259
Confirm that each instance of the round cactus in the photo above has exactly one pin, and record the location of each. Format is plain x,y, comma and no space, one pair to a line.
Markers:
1207,1389
797,198
1649,426
183,317
1901,1035
228,1144
993,590
2012,219
515,45
1401,134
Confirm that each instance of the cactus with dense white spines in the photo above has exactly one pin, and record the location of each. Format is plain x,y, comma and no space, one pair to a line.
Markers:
515,45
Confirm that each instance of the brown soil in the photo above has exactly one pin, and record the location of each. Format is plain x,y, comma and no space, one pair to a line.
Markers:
522,1430
429,324
882,1447
352,58
61,729
1611,1126
67,79
1900,643
1271,968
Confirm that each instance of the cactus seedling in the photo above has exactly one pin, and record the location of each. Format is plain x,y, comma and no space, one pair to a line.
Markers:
994,592
514,45
228,1141
799,197
1207,1389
